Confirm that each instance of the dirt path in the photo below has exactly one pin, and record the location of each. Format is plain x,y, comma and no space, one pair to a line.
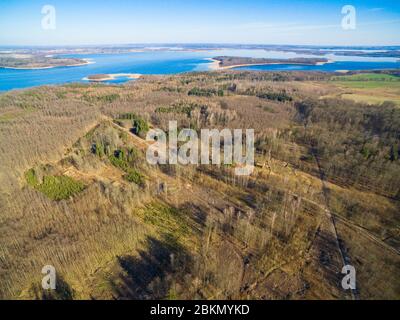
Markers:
331,223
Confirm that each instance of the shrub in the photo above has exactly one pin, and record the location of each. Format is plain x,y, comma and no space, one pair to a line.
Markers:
55,187
121,159
135,177
140,127
99,149
127,116
118,160
179,108
275,96
202,92
60,187
31,178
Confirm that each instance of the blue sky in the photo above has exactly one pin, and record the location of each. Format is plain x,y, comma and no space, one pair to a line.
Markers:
307,22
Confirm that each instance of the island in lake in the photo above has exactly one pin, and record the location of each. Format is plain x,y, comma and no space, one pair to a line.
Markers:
227,62
112,76
33,61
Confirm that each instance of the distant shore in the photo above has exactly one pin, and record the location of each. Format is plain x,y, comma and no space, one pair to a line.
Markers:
86,62
216,64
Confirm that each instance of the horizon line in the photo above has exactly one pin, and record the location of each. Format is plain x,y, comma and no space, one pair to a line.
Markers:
196,43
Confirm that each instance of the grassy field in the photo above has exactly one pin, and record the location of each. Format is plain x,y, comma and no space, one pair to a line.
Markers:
358,87
373,77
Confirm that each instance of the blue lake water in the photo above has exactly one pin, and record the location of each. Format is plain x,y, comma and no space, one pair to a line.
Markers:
144,63
329,67
172,62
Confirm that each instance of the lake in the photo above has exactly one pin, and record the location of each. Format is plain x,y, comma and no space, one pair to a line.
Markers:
173,62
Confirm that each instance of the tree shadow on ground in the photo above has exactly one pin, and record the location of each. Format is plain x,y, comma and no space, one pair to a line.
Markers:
151,274
63,291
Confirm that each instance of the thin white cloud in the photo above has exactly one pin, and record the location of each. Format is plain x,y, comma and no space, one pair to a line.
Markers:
260,26
263,25
376,9
380,22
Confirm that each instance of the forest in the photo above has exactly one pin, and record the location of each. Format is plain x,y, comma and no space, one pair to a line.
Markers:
77,193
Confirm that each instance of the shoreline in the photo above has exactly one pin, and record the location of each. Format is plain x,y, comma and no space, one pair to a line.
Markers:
87,61
216,64
114,76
